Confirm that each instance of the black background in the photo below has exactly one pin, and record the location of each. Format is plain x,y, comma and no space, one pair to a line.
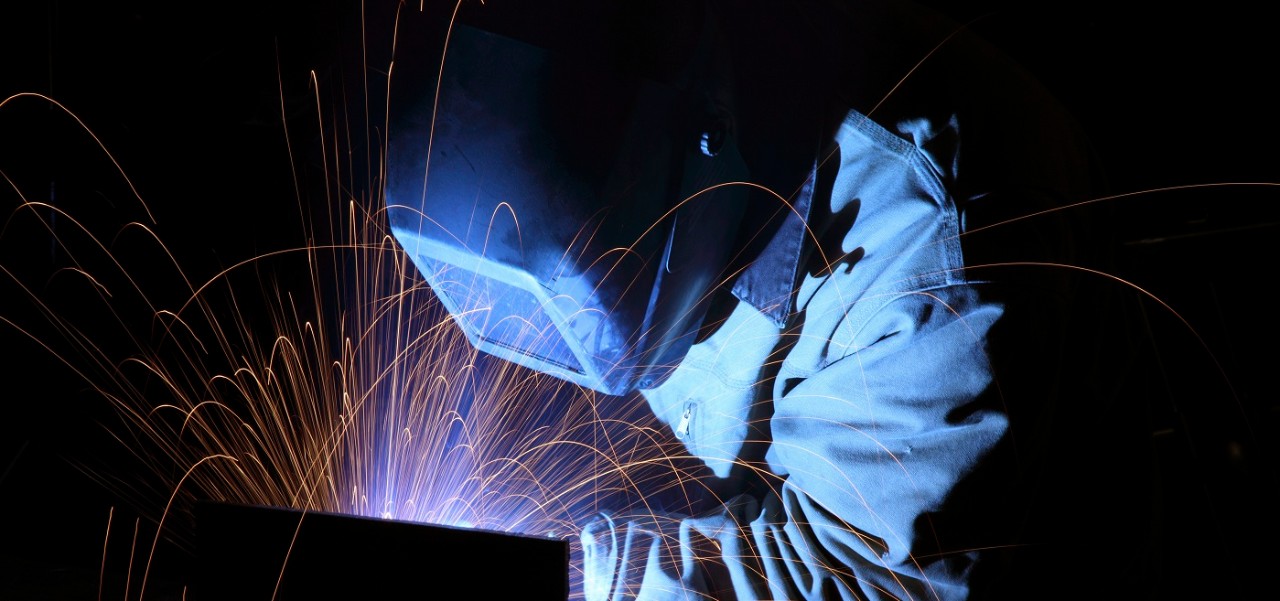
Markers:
190,97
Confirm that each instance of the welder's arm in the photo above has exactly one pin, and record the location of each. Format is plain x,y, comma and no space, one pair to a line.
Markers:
868,446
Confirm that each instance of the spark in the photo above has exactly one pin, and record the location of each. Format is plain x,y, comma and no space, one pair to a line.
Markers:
359,397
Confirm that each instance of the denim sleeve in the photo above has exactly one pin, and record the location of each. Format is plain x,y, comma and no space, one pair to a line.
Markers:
866,446
874,441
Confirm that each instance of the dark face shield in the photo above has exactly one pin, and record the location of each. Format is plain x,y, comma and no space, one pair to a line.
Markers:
560,208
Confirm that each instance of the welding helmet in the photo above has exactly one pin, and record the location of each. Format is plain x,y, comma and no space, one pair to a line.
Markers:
568,189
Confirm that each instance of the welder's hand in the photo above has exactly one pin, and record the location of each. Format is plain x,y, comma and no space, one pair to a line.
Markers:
668,556
639,557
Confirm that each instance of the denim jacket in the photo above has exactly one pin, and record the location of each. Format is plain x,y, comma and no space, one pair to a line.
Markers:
869,427
857,372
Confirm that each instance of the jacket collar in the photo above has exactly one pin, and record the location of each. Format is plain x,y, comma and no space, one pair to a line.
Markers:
769,283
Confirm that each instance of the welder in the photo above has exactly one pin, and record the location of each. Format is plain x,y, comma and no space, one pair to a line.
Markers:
770,221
